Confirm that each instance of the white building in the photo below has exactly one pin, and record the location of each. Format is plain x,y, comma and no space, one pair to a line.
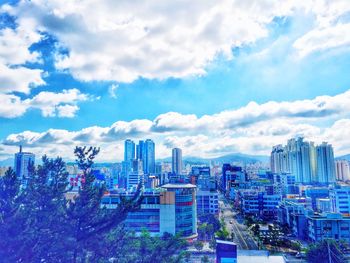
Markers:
207,202
323,205
342,170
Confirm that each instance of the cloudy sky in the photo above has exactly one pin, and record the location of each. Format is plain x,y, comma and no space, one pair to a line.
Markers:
211,77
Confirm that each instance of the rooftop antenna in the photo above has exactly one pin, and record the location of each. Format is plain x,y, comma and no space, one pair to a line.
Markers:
20,148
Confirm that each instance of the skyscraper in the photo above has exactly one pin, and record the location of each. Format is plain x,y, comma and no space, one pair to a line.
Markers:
325,163
129,150
22,161
139,150
307,162
148,156
176,164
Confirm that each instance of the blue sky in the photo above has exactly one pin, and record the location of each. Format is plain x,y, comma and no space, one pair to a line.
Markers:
110,72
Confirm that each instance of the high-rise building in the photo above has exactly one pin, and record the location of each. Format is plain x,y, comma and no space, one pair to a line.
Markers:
139,150
129,150
176,161
135,176
148,157
342,170
325,163
309,163
21,165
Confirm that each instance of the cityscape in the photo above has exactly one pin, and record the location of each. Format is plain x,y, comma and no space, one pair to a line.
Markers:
174,131
238,210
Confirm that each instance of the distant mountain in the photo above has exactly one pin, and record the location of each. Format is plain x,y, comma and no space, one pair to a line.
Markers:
6,162
239,157
344,157
235,157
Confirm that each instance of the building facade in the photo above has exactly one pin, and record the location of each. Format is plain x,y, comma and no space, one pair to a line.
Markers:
169,209
328,226
340,200
176,163
342,170
21,165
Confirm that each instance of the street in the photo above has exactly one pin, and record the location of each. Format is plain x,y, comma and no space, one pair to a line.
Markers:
240,234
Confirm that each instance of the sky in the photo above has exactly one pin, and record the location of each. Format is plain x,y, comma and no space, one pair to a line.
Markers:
210,77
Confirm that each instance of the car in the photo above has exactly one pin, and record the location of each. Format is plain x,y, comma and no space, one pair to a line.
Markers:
231,222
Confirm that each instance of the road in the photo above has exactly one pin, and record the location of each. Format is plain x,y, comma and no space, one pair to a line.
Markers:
240,234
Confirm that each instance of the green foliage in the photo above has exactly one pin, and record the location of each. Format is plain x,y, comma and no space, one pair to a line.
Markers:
198,245
321,251
223,234
205,259
212,243
38,224
210,219
295,245
274,235
248,221
256,230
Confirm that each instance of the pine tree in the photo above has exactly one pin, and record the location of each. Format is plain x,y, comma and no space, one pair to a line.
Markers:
87,220
9,220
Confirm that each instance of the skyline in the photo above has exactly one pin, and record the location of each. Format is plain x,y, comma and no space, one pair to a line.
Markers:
211,84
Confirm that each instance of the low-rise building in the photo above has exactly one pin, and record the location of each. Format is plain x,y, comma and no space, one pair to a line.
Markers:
259,204
207,202
169,209
328,226
340,200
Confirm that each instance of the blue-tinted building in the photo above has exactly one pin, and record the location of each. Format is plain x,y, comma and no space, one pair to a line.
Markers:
145,151
129,150
231,174
171,208
22,162
315,193
226,252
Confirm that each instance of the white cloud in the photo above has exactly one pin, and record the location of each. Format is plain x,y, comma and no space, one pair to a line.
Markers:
252,129
112,90
14,53
330,30
125,40
323,39
51,104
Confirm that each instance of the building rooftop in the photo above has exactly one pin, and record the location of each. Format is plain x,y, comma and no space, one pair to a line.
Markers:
225,242
178,186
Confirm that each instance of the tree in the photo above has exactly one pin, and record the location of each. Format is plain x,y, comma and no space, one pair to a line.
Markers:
321,251
9,222
223,234
210,219
38,224
256,230
86,220
202,231
274,235
212,243
198,245
205,259
248,221
35,221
